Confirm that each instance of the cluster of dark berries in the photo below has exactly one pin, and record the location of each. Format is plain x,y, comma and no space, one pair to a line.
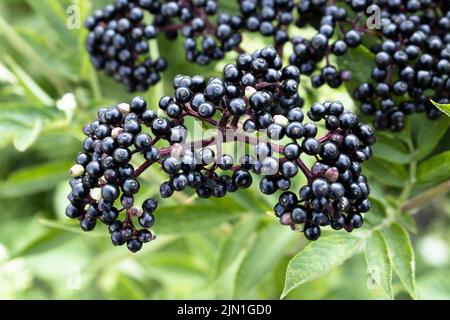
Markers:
411,49
103,177
118,44
331,39
337,193
268,17
253,95
204,40
410,46
255,103
412,63
118,41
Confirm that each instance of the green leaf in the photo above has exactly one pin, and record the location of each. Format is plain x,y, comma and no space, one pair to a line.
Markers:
235,242
391,149
24,49
54,15
435,169
429,135
23,139
22,124
195,217
27,82
34,179
379,262
445,108
261,259
318,258
388,173
403,259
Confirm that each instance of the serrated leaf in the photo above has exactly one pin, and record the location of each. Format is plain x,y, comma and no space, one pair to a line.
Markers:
429,135
195,217
445,108
263,256
235,242
318,258
435,169
403,258
379,263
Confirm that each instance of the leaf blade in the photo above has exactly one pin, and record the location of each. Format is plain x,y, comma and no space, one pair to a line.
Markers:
403,258
309,264
435,169
379,262
445,108
429,135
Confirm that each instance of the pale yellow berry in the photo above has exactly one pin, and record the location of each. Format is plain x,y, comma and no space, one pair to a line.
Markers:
76,171
96,194
124,108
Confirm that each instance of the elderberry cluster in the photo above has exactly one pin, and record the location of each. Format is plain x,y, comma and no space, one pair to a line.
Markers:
118,44
412,63
103,175
253,95
269,17
256,98
204,40
411,48
331,39
119,35
336,193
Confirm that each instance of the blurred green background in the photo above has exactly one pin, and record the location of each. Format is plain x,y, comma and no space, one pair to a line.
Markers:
206,249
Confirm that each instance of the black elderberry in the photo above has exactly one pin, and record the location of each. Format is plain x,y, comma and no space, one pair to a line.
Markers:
292,151
117,238
237,106
147,220
312,232
242,178
295,130
311,146
166,190
268,185
171,165
73,211
134,245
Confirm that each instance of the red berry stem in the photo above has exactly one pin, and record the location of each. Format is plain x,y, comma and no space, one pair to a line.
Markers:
304,169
